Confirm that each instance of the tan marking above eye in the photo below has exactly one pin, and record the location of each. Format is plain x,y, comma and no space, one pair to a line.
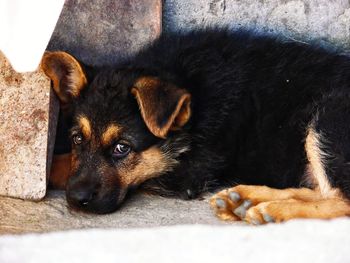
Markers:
85,127
110,133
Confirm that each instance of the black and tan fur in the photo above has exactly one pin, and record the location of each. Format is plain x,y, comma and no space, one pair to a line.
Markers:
196,111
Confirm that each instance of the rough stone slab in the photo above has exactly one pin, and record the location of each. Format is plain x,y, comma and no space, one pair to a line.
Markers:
26,140
307,20
103,31
52,214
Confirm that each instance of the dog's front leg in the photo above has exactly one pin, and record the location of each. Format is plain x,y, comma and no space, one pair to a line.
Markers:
194,174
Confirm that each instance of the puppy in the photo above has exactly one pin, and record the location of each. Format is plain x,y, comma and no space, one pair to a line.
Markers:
194,111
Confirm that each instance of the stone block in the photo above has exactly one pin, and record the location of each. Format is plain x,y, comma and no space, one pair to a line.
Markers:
27,103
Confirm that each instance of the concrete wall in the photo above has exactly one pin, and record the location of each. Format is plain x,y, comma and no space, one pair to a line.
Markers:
307,20
103,31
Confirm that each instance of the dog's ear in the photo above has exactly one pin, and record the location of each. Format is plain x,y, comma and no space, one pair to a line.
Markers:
66,73
163,106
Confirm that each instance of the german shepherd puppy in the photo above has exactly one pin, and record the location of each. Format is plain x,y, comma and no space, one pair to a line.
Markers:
194,111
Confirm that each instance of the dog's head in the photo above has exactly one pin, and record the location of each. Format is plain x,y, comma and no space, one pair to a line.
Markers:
123,122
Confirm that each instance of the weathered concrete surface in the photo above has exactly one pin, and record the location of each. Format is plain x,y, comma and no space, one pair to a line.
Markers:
102,32
26,140
52,214
320,20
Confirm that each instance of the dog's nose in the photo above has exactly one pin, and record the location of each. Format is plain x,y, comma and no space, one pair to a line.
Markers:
81,197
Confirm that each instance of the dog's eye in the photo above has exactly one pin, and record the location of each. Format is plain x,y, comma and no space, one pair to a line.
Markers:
77,139
121,150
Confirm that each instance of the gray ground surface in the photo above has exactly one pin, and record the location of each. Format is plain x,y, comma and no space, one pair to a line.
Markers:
52,214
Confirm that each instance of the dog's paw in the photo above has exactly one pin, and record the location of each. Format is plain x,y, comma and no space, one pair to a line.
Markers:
273,212
243,203
261,214
235,202
260,204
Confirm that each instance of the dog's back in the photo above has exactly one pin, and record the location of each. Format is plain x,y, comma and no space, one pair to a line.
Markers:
252,96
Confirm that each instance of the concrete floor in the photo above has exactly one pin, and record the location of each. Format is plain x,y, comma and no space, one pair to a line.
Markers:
52,214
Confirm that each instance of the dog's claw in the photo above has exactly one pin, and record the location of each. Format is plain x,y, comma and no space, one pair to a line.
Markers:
246,204
189,193
220,203
255,222
240,212
234,196
268,218
242,209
